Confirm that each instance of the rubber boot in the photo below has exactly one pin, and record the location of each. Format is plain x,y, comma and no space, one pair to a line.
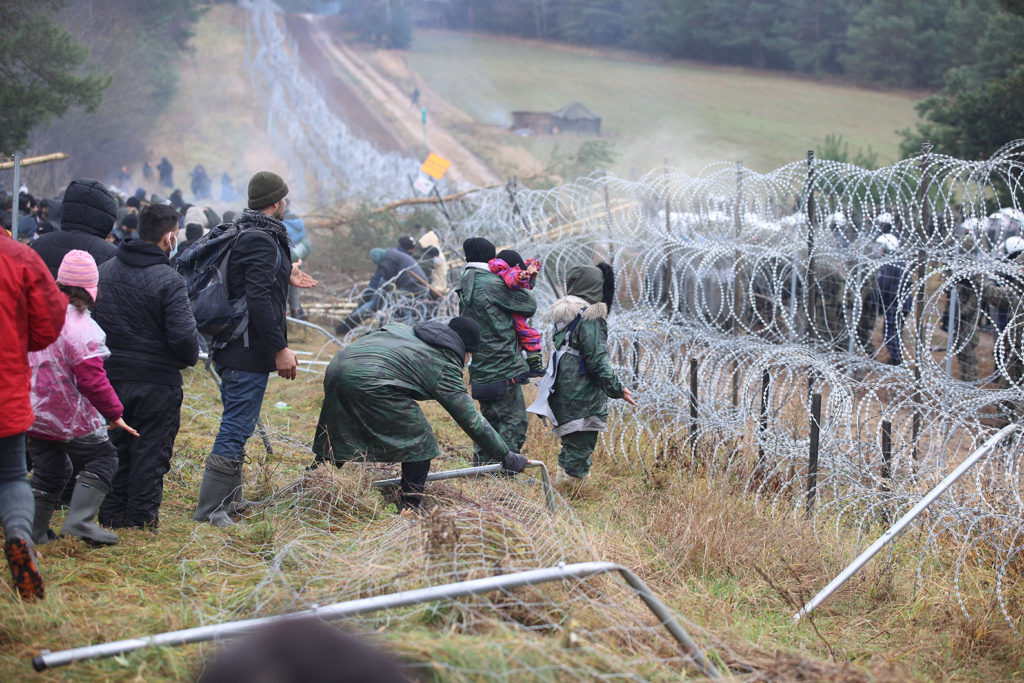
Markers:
240,503
24,571
221,478
85,503
45,503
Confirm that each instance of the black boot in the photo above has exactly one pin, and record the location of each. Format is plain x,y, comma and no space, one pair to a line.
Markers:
221,478
85,503
45,503
349,323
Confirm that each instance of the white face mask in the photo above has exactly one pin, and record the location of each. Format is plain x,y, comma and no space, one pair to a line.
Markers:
174,247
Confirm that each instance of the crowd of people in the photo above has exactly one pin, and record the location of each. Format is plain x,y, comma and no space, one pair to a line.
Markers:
104,327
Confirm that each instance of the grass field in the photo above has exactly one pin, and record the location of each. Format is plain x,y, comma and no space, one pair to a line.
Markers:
701,547
216,119
688,113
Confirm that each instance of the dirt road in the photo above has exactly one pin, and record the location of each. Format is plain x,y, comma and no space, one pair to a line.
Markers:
340,96
388,106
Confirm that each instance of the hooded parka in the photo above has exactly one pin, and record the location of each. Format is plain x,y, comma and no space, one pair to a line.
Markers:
370,393
87,217
585,379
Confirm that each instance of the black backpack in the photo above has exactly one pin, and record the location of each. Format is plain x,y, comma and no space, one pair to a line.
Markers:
205,269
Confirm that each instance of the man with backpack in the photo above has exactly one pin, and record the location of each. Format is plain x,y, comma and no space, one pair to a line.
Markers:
257,273
152,335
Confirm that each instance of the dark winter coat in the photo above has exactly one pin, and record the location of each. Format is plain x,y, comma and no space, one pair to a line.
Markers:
585,379
146,314
87,217
370,393
484,297
258,269
399,264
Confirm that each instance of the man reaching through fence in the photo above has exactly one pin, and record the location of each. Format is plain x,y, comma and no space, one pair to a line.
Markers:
370,393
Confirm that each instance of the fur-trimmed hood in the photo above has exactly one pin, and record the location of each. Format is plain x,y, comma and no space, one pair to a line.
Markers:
565,309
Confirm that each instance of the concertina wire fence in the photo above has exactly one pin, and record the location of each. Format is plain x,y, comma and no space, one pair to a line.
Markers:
753,292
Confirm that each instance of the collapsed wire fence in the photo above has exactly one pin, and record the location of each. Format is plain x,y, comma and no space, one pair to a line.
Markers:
834,337
888,294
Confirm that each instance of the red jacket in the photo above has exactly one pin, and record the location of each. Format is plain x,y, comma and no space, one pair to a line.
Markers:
32,313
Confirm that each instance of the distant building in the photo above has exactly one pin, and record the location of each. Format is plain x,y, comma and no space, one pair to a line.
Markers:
573,118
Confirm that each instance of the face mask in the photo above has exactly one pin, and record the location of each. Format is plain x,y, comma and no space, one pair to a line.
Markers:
174,248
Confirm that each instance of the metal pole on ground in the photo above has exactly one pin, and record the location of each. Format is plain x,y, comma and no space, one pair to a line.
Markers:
478,471
903,523
340,610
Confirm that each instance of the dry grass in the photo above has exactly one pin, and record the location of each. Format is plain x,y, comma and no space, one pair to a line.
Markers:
708,549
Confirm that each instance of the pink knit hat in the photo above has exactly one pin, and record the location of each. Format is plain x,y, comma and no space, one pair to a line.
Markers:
78,269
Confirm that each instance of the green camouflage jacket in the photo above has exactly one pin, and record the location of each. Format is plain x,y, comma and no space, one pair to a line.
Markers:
580,402
484,297
370,393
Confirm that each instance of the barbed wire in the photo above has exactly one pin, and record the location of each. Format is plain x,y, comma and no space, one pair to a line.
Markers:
889,293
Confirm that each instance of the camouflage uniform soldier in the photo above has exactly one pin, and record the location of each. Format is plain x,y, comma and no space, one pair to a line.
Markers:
584,379
1007,291
827,316
964,340
370,393
499,369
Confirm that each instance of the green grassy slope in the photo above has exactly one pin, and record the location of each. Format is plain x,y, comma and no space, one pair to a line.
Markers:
690,114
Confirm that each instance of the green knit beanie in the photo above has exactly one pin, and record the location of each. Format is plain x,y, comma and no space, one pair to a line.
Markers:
266,188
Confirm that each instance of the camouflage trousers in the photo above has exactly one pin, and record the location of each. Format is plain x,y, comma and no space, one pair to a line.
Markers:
574,457
508,417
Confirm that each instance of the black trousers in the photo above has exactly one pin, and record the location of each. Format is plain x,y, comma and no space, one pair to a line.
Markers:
53,462
414,480
154,410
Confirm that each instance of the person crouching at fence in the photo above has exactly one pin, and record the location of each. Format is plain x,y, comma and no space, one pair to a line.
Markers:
583,378
370,393
72,400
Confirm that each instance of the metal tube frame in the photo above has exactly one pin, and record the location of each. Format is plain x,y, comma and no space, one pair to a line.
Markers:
505,582
479,471
903,522
16,195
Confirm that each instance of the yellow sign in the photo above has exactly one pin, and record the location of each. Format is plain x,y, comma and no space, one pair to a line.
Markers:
435,166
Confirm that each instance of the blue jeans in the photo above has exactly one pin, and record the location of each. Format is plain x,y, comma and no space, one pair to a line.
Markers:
241,392
17,506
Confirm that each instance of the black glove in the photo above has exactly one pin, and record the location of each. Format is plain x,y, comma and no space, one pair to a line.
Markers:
513,463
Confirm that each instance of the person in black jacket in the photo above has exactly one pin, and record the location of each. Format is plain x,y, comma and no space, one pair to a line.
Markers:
151,335
87,217
259,269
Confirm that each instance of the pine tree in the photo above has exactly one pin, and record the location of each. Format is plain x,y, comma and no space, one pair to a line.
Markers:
43,71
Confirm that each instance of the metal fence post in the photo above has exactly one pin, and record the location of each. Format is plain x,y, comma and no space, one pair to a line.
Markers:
765,387
812,458
693,406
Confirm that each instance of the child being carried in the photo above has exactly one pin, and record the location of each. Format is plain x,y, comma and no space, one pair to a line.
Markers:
520,274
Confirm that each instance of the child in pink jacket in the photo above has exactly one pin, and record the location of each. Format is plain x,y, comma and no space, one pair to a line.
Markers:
519,274
73,401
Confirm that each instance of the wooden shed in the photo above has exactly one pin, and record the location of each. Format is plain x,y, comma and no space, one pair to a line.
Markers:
572,118
578,118
534,121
